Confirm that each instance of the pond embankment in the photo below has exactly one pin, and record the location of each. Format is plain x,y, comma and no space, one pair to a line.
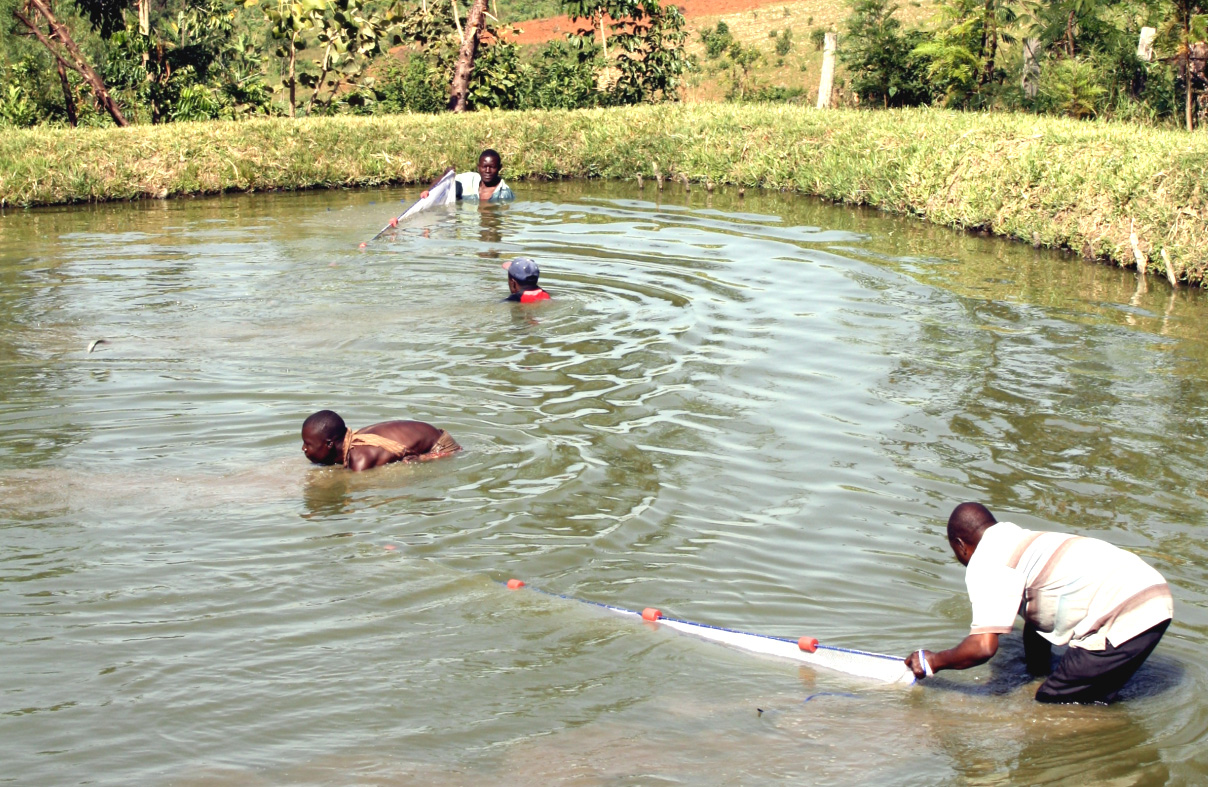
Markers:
1047,181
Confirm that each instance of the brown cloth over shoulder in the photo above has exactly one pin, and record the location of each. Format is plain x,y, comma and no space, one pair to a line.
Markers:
444,445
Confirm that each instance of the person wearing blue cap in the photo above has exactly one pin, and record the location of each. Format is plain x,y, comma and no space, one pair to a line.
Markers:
522,281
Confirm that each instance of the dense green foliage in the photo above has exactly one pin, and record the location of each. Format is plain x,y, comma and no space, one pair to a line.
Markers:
225,59
971,56
881,59
228,59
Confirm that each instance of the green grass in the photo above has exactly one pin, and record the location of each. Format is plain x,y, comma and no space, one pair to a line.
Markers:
1048,181
522,10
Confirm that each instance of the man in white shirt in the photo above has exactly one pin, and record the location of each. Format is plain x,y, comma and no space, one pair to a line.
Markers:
485,185
1106,604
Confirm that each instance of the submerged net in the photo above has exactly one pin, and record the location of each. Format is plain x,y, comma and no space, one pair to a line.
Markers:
858,663
875,666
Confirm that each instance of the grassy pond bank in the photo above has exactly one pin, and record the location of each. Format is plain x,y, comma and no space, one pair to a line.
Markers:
1051,182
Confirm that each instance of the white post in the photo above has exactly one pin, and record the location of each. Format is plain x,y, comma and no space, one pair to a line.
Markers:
1145,44
1031,67
827,83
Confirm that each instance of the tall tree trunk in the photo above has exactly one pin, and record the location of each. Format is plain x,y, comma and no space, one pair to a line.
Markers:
78,62
465,58
292,76
1030,81
144,26
1069,33
322,77
989,42
603,38
68,98
1189,102
1187,71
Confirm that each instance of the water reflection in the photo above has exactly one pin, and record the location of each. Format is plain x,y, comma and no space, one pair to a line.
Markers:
491,217
326,494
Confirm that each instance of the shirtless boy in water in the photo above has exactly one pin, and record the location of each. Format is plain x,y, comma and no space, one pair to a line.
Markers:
326,440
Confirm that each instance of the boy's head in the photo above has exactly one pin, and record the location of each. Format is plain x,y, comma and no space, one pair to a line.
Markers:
323,437
490,165
522,273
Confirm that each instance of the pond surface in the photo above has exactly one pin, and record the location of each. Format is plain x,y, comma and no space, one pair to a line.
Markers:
750,412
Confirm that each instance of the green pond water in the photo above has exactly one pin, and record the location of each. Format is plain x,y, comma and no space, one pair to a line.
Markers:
749,412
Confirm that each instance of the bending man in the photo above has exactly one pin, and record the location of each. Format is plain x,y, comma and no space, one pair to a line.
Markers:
326,440
1108,605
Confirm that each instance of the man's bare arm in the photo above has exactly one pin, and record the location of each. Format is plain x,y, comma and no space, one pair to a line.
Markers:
973,650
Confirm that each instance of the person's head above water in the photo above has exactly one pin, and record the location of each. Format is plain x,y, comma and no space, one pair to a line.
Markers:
323,438
523,274
490,166
966,524
522,271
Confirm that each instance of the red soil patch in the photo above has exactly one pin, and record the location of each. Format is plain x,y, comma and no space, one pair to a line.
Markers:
538,31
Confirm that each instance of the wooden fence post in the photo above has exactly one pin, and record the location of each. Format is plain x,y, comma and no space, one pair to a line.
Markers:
1031,67
1145,44
827,82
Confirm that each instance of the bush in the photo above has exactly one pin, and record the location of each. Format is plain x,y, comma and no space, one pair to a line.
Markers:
716,40
564,77
784,42
16,109
883,62
498,79
199,102
1071,87
776,94
415,87
742,61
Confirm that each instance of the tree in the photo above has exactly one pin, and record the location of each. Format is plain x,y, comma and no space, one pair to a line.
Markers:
742,60
351,35
650,41
288,22
465,57
67,55
954,64
652,62
716,40
881,58
1192,29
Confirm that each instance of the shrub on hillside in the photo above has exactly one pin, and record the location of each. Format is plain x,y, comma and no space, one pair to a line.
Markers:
784,42
716,40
